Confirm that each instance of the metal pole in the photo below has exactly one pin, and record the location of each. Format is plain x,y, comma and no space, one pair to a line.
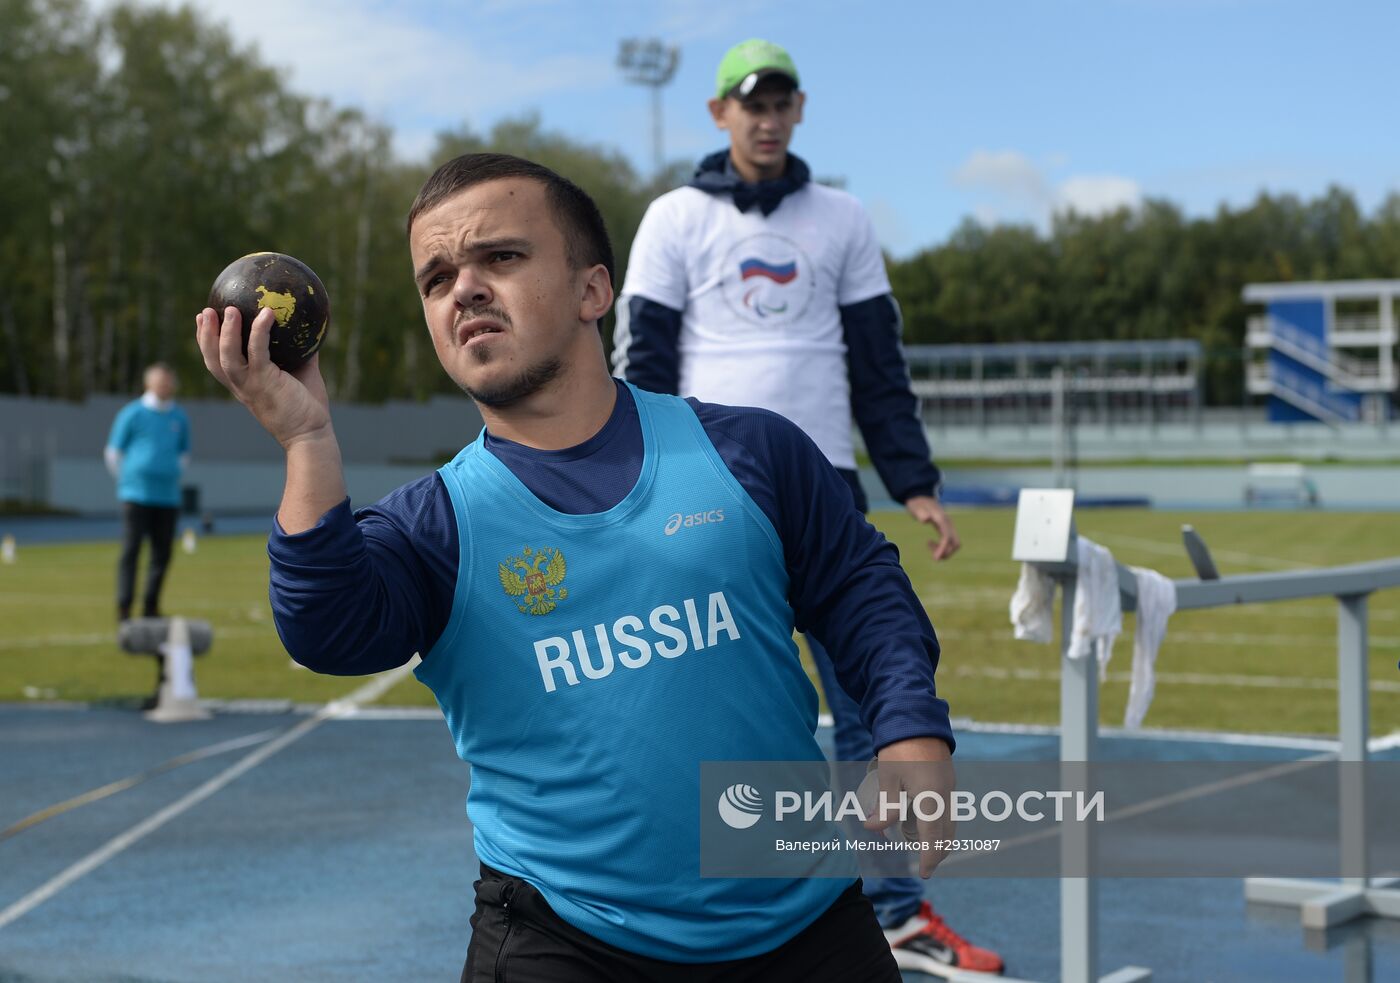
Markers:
1151,363
1353,719
649,62
1105,417
1358,964
1246,359
25,464
658,155
1057,423
50,463
1023,373
1194,367
980,400
1079,723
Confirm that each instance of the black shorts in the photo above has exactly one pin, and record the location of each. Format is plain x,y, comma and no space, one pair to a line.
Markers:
517,938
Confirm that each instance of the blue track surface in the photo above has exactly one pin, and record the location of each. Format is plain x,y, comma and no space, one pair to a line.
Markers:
346,856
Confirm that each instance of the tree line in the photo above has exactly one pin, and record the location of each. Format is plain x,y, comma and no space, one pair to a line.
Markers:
145,149
1144,273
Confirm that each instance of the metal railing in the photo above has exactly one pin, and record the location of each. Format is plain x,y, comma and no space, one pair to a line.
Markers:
1045,536
1302,392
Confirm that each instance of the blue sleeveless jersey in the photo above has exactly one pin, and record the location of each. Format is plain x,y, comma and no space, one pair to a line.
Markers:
591,663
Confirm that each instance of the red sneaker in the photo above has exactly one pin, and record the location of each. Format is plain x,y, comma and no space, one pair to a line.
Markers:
925,944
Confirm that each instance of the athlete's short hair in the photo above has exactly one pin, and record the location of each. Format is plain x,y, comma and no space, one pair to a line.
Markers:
586,239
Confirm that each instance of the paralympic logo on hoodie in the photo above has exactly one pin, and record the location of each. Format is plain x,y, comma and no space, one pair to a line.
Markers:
779,273
767,279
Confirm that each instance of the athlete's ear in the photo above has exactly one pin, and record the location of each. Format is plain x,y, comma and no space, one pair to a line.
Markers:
800,99
718,108
597,295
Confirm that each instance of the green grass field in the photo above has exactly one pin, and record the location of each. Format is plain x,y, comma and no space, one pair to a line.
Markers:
1261,668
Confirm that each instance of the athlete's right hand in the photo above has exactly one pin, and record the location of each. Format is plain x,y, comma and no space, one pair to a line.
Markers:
292,406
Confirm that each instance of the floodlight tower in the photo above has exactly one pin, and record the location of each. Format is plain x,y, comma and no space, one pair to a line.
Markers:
649,62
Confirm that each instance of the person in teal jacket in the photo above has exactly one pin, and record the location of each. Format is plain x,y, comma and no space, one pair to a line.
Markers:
147,452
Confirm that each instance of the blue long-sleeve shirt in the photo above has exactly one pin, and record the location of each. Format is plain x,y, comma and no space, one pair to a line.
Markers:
362,592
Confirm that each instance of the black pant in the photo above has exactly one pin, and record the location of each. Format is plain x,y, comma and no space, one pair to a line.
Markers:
517,938
156,522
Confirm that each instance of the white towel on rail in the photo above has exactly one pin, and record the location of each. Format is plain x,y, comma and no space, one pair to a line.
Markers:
1098,612
1156,601
1033,605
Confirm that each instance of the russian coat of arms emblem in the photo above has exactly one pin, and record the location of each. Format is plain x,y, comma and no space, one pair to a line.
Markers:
532,580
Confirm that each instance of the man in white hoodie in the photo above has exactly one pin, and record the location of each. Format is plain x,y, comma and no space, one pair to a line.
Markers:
755,286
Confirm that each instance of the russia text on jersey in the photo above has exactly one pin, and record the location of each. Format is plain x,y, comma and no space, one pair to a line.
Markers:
668,638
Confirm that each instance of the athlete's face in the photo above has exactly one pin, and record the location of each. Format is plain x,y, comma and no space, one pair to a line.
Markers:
503,304
160,382
760,126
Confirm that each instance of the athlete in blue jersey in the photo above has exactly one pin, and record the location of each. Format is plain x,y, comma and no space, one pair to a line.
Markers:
603,588
147,451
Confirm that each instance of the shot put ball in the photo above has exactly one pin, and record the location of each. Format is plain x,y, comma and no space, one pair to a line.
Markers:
291,289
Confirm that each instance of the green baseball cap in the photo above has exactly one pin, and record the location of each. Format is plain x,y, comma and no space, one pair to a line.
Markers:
749,61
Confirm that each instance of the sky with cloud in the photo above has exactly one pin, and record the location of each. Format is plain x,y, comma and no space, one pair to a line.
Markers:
930,112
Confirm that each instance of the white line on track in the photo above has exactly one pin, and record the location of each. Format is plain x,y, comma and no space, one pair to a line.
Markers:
1319,643
367,693
1180,678
1163,801
1177,550
122,784
1287,741
1000,597
1388,743
395,713
110,638
1325,642
69,599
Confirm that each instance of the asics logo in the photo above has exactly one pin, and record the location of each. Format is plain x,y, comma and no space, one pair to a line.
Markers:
679,521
